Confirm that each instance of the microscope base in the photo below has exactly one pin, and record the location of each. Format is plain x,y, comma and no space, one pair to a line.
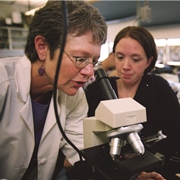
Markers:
125,167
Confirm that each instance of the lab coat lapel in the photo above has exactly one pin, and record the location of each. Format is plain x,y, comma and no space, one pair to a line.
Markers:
23,80
27,115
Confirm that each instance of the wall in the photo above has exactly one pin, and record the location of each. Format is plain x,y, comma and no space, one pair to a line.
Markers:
158,32
168,31
7,9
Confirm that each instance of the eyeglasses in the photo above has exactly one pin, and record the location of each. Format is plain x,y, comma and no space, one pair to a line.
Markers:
83,62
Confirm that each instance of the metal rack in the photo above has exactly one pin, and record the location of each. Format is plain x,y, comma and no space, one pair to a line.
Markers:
12,41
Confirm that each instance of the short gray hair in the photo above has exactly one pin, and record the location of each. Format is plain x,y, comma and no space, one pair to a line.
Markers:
48,22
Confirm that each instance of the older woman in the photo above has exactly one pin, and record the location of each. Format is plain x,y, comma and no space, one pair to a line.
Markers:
30,139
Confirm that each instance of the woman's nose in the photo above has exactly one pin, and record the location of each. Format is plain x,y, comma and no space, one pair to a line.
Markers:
126,63
88,70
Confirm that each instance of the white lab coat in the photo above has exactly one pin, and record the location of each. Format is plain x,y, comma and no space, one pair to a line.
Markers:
16,123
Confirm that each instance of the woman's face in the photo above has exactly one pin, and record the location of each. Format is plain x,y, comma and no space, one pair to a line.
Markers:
71,78
130,60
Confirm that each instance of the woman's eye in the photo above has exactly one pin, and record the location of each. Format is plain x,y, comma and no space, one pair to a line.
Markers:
81,59
135,60
120,57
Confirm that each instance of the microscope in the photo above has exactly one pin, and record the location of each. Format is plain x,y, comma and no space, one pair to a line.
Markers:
111,138
116,120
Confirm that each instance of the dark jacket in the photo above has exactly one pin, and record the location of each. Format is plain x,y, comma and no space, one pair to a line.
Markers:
162,108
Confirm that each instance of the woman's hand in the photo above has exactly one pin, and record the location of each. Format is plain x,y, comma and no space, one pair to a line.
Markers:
149,176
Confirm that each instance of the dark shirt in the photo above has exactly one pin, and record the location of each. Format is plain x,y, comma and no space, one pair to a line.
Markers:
39,117
162,108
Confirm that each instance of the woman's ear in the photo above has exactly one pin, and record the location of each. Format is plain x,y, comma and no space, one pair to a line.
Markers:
150,60
41,47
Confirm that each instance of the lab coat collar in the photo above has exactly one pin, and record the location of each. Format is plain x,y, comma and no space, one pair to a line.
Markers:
23,78
23,82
